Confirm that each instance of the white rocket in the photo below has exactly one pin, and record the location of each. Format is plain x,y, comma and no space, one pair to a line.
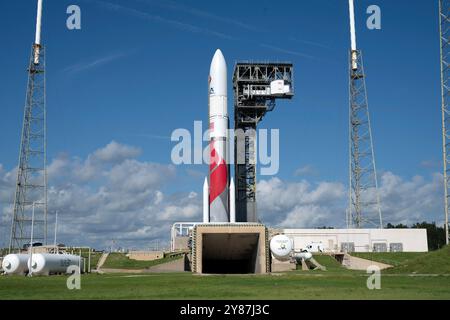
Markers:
216,198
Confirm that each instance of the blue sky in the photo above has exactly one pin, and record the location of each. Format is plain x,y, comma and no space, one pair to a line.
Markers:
138,69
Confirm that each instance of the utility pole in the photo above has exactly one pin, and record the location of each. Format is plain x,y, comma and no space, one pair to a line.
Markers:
30,247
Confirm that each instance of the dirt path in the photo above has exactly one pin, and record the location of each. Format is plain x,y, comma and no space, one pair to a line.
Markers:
355,263
102,260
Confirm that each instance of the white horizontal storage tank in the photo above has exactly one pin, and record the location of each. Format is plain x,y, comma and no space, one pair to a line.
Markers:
15,263
281,247
46,263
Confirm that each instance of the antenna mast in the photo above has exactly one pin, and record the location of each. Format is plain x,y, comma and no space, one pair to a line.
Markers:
364,201
444,30
31,185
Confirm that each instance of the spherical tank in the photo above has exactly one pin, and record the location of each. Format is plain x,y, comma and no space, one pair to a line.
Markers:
281,247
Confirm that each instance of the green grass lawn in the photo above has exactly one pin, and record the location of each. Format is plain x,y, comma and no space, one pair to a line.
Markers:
121,261
335,283
434,262
331,264
392,258
95,256
294,285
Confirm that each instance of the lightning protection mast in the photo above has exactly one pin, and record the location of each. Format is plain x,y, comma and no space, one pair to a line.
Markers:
31,186
444,31
364,201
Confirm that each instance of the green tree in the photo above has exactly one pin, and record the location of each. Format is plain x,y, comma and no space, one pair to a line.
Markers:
435,234
399,226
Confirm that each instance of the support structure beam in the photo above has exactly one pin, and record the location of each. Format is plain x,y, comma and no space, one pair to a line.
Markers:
31,185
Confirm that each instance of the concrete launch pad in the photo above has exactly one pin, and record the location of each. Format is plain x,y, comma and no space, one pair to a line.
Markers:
238,248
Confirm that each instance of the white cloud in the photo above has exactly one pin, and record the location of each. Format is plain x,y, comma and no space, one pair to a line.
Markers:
132,175
305,171
174,213
58,165
63,168
99,61
307,216
278,201
159,197
192,195
412,201
116,152
301,204
111,195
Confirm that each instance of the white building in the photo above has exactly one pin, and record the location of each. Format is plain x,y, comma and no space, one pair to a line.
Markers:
332,240
360,240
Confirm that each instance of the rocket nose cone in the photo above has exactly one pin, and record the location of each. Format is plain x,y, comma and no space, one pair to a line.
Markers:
218,63
218,55
218,74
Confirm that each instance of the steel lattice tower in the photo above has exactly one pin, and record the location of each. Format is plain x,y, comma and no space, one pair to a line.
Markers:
255,94
444,28
363,194
364,200
31,186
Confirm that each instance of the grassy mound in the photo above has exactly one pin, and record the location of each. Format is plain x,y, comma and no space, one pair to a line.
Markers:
392,258
435,262
95,257
330,263
121,261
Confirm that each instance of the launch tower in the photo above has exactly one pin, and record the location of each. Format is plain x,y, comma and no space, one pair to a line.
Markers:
256,87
